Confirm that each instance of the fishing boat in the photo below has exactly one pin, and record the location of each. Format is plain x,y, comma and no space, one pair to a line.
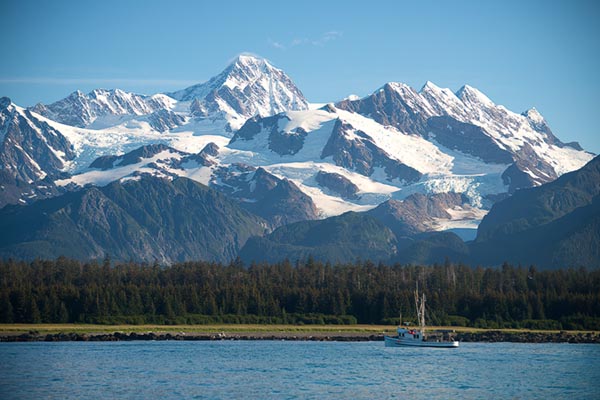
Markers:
417,337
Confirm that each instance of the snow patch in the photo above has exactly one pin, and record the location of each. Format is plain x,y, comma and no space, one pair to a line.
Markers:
102,178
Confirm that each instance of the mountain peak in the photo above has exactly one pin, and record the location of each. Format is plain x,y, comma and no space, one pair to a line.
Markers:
430,86
77,94
249,86
244,62
534,116
250,59
246,69
469,94
434,92
399,86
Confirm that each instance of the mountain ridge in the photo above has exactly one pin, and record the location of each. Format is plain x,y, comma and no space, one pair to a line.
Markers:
146,219
556,225
250,133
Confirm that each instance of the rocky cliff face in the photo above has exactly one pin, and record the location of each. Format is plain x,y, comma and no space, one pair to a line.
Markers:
338,184
132,157
278,201
417,213
395,104
279,141
164,120
466,138
354,149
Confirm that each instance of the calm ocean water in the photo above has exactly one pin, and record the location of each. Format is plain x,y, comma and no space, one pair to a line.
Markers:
280,369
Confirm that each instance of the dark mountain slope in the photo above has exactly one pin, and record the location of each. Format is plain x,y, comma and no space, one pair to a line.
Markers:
533,207
146,219
555,225
337,239
572,240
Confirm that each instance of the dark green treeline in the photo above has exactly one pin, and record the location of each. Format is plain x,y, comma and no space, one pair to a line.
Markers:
65,290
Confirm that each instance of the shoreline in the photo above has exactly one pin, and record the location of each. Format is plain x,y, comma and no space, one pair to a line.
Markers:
482,336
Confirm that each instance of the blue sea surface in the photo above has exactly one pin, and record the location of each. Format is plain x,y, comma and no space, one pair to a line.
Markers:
287,370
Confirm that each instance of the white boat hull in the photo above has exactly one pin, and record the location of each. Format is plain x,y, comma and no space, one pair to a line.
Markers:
410,342
415,337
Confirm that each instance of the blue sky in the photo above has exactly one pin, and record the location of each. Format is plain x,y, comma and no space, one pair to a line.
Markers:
520,53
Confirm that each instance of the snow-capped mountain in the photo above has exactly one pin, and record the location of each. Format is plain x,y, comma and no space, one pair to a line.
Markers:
249,86
329,150
250,133
32,155
278,200
31,149
469,122
100,107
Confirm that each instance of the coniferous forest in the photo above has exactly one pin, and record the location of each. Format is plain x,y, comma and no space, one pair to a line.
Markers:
311,292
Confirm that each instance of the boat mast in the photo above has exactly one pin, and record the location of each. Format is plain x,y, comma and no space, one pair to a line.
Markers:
423,313
420,307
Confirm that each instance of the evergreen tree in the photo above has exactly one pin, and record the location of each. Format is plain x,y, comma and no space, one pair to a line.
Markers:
65,290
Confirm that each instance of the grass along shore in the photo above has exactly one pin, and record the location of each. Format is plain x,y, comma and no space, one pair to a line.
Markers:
6,329
264,329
